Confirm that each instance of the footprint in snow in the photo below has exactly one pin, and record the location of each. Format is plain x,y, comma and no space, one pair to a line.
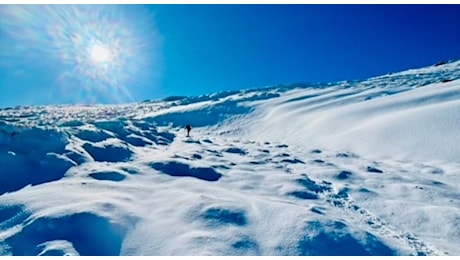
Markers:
373,169
319,161
207,141
293,161
191,141
196,156
283,155
342,200
312,189
346,155
235,150
334,238
342,175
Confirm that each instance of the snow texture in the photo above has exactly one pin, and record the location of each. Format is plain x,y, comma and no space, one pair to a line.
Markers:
366,167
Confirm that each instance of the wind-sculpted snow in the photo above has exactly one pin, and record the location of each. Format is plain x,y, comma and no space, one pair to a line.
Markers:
205,116
208,110
108,152
179,169
31,155
410,115
299,169
87,234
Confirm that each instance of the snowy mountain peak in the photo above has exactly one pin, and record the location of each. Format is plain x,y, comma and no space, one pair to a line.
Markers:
365,167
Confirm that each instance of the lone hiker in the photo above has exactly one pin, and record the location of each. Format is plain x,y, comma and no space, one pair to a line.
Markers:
188,128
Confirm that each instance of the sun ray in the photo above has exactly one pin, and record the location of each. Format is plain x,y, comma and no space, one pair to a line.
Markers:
97,46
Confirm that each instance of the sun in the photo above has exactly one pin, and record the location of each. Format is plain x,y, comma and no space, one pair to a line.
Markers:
100,50
100,53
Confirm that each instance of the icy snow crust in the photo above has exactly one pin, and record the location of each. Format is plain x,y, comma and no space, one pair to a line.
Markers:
350,168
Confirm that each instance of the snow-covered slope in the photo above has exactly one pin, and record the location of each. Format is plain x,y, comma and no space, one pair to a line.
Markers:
409,115
350,168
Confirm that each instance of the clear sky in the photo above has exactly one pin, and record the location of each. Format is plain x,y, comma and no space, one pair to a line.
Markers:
123,53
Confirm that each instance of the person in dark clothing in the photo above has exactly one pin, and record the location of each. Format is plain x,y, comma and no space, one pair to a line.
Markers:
188,128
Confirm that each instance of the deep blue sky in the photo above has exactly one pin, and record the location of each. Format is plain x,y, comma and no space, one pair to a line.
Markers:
199,49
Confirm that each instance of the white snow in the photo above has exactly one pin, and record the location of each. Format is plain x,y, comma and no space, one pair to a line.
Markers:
350,168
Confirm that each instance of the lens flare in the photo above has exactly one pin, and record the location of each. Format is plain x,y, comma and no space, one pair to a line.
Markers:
97,53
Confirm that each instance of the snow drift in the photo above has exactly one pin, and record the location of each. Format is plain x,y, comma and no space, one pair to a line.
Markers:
412,115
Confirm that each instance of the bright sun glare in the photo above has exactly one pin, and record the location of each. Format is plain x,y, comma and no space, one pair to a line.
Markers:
101,49
100,53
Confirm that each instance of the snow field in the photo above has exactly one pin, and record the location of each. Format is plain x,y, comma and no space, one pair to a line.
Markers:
352,168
